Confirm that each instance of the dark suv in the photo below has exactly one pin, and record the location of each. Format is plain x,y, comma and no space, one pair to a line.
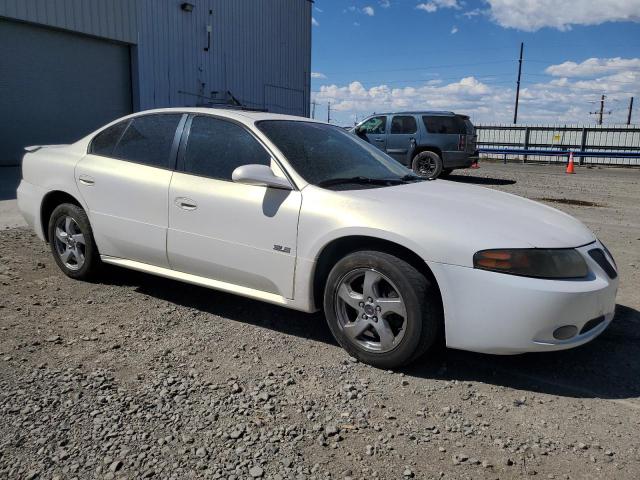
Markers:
431,143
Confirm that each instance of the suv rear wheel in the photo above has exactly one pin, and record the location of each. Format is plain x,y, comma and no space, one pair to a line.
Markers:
427,165
72,243
380,309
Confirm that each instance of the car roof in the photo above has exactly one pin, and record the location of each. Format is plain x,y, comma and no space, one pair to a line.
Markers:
419,112
242,115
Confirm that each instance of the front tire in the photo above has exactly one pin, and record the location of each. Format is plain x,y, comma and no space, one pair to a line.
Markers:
428,165
72,243
380,309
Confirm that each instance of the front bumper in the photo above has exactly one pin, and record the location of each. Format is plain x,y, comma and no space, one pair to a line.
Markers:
505,314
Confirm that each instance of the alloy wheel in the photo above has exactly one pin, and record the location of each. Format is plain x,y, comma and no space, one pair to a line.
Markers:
426,167
70,243
370,310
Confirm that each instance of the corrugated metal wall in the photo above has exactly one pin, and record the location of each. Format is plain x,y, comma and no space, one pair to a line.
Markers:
112,19
259,51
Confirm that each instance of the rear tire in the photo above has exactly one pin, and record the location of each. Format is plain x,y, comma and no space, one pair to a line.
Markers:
427,165
380,309
72,243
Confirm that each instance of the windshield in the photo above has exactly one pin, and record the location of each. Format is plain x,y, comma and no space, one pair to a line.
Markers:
325,155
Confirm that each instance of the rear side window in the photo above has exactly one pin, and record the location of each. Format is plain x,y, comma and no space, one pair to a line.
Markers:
148,140
445,125
104,143
217,147
404,124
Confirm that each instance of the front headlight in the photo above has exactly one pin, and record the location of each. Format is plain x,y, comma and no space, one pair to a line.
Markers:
533,262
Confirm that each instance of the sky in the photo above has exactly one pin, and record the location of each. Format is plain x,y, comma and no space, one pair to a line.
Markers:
462,55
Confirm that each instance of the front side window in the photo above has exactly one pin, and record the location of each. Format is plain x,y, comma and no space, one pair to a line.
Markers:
445,124
217,147
375,126
324,154
404,124
104,143
148,140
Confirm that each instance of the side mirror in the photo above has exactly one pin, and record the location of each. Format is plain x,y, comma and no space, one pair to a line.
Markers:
259,175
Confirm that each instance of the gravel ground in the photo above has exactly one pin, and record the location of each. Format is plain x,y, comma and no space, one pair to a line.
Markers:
142,377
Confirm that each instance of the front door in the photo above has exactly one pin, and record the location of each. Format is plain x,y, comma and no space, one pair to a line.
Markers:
125,182
374,130
240,234
402,133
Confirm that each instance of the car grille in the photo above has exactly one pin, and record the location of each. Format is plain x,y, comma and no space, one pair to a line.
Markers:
601,259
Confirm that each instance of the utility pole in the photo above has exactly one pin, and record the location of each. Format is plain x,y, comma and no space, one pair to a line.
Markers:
630,110
313,109
601,112
328,112
515,112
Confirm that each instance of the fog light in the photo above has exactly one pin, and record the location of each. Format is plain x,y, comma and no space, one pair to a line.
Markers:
565,332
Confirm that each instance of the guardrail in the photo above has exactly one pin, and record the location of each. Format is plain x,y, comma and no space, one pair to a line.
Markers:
607,145
578,155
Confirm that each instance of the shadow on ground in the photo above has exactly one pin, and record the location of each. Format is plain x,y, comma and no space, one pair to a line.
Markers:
480,180
608,367
9,180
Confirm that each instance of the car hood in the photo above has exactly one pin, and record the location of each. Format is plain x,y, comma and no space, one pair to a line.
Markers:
479,216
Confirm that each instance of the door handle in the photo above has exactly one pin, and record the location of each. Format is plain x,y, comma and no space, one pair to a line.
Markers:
379,139
86,180
186,203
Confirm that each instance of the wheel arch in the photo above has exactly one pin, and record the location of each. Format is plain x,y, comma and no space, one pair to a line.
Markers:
427,148
342,246
49,203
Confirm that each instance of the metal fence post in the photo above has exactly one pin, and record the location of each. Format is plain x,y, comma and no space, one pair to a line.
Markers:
583,145
526,143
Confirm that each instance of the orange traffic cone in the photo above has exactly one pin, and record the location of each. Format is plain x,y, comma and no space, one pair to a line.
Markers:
570,164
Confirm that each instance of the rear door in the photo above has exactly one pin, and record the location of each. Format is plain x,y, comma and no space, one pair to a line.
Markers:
374,130
124,179
402,135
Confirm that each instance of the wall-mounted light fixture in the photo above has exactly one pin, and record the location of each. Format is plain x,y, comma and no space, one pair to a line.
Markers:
187,7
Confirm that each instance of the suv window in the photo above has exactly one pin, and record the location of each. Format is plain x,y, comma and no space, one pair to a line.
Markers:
375,125
444,124
404,124
148,140
104,143
217,147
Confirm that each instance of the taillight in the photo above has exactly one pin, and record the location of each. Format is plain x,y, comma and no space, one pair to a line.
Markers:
461,142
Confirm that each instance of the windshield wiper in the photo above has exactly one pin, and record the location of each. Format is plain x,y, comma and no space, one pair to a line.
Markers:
410,177
361,180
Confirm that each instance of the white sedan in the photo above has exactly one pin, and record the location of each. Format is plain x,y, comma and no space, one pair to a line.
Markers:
304,215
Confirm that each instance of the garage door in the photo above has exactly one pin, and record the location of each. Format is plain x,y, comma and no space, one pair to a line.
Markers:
56,86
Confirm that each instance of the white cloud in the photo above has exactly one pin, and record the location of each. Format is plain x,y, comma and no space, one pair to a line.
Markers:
314,22
318,75
557,101
356,24
454,30
318,9
368,11
385,3
434,5
427,7
532,15
593,66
